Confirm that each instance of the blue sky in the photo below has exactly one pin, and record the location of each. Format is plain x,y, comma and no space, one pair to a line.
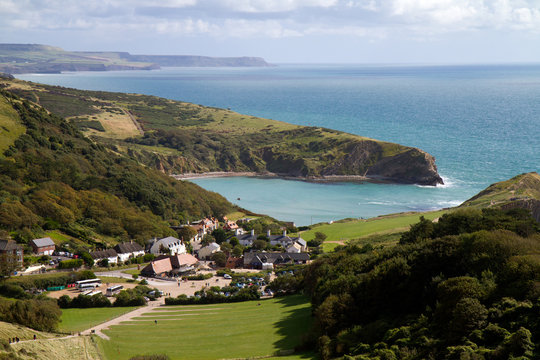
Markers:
297,31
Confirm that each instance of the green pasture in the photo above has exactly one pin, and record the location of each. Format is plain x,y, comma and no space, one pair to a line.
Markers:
218,331
353,229
75,320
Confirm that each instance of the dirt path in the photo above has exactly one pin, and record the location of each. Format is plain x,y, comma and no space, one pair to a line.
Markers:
137,125
125,317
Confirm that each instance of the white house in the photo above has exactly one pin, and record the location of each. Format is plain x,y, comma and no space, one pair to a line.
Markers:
170,244
129,250
208,250
109,254
294,248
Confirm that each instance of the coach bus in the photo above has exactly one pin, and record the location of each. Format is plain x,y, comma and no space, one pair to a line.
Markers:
114,290
87,284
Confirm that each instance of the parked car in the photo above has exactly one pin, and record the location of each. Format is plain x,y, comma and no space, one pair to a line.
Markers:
227,276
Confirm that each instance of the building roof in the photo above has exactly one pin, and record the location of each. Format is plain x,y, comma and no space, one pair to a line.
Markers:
167,242
257,258
128,247
212,247
165,264
246,237
182,260
158,267
43,242
9,245
102,254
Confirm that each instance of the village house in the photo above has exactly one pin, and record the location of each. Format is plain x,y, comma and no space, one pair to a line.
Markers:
208,250
12,251
294,248
284,240
203,227
164,265
43,246
247,239
230,225
128,250
169,245
266,260
109,254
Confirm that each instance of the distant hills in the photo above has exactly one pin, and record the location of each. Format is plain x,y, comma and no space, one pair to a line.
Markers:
36,58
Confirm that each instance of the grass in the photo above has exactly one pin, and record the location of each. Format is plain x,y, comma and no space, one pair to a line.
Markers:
74,348
353,229
10,127
75,320
217,331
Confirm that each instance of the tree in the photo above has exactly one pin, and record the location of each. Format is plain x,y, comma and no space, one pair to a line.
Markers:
87,259
219,258
8,265
260,244
220,235
234,241
186,233
207,239
238,250
226,247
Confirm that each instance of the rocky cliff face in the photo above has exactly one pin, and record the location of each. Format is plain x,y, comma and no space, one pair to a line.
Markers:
412,166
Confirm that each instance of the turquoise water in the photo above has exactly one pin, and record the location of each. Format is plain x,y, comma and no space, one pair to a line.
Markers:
482,123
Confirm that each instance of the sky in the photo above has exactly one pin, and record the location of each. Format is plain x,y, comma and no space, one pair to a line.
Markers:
286,31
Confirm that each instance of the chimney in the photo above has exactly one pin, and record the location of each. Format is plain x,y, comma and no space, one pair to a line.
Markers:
268,233
284,232
252,232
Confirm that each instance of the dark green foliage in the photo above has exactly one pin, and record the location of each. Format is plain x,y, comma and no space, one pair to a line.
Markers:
132,297
214,295
70,264
55,178
219,258
83,301
470,294
41,314
150,357
48,280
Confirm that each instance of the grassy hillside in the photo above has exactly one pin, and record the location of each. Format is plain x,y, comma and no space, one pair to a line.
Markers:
54,178
521,187
180,137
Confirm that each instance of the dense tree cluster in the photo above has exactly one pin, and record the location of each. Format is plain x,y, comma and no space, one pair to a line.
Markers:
465,287
52,177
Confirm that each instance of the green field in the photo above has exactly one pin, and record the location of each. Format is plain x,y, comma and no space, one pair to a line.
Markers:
75,320
354,229
219,331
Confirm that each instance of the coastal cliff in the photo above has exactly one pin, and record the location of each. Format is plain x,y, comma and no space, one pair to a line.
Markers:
176,138
36,58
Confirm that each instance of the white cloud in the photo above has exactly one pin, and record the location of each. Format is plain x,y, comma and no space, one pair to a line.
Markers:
270,6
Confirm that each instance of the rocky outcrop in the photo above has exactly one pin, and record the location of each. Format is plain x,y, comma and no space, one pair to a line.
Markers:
411,167
366,158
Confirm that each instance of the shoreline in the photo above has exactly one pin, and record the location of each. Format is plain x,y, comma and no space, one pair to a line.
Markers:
320,179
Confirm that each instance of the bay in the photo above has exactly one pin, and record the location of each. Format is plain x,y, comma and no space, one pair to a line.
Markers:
482,123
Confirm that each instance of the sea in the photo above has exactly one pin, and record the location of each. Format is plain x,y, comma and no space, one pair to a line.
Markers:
481,122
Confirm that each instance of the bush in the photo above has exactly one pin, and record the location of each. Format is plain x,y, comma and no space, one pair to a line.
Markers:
70,264
198,277
40,314
84,301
